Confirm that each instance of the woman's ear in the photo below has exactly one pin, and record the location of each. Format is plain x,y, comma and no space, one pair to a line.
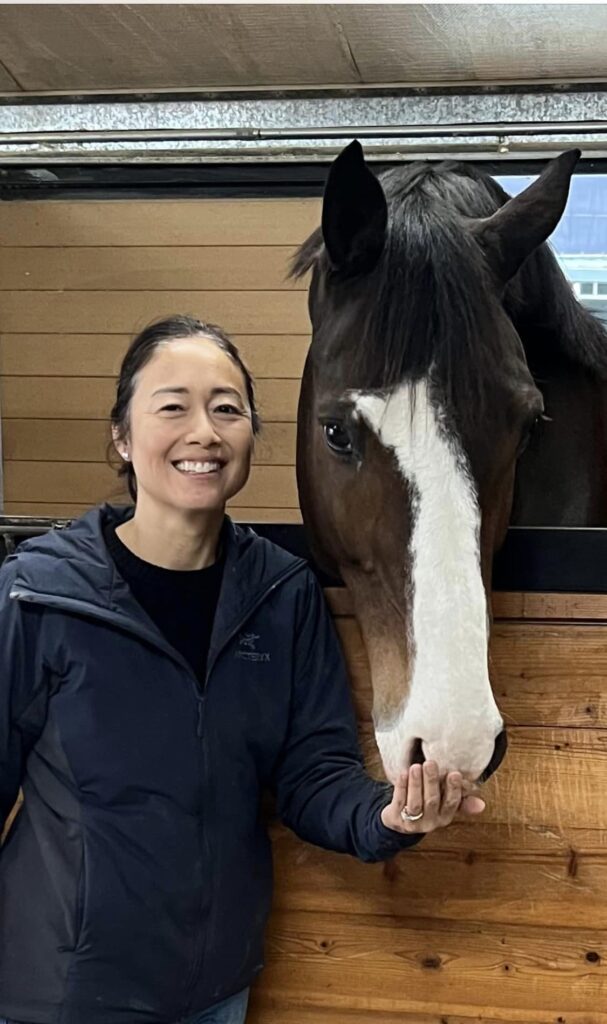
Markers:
120,444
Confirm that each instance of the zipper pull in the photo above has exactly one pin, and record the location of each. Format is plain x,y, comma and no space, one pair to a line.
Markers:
200,717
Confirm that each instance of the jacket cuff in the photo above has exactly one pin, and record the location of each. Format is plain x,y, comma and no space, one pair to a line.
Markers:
390,841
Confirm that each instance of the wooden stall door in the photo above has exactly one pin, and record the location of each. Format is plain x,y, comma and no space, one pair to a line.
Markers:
502,919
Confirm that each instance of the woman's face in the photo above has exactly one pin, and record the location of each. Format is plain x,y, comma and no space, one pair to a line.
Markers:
190,434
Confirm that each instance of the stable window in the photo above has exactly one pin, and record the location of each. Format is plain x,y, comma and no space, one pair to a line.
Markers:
580,240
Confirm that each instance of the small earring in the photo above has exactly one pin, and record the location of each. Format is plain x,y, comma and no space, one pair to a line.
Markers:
125,455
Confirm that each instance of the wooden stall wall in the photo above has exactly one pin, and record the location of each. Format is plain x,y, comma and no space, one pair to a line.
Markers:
77,279
498,920
501,920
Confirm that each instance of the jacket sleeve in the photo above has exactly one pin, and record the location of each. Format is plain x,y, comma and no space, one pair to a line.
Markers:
22,688
323,791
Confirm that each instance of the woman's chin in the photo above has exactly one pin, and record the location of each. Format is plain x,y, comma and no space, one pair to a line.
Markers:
188,504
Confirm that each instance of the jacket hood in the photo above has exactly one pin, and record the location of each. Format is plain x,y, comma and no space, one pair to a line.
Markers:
74,565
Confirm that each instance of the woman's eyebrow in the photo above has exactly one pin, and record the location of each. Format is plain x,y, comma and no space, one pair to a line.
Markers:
227,391
185,391
169,391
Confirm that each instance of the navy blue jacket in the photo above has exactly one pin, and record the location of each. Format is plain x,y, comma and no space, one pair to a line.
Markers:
136,881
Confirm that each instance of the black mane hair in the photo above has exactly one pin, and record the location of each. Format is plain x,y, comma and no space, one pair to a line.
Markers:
428,252
541,302
430,295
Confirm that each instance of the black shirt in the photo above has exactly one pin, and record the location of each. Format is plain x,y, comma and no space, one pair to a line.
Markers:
181,603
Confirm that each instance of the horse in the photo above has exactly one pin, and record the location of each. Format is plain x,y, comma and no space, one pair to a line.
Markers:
417,400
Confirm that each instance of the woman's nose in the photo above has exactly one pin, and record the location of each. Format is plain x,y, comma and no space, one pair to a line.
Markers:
203,431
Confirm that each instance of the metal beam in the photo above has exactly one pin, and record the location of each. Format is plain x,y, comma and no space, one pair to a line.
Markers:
291,127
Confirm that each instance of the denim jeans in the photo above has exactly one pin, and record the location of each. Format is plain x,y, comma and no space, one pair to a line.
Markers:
230,1011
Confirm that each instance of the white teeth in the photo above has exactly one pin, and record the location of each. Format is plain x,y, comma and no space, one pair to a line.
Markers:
197,467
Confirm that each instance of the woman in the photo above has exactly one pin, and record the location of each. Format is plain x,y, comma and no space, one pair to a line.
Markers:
159,667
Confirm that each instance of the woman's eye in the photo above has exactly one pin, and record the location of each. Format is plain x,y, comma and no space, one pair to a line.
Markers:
337,438
173,407
230,410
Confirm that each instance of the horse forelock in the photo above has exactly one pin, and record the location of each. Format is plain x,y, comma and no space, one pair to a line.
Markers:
435,301
428,252
428,305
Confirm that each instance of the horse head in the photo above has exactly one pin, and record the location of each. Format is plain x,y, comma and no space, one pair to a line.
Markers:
416,402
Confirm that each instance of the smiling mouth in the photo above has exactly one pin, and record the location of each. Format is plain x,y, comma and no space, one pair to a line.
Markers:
188,467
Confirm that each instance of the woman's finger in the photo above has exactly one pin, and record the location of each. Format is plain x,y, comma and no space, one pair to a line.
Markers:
432,794
415,790
399,796
473,805
452,797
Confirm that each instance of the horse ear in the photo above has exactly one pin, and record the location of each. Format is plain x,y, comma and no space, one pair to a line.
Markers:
354,213
509,236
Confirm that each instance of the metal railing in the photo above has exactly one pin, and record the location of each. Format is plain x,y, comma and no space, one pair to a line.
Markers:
14,529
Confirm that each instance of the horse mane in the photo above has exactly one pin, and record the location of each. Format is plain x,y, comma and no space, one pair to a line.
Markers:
427,246
306,255
427,253
540,300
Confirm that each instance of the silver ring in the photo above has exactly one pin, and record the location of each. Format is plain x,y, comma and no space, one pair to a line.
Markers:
406,816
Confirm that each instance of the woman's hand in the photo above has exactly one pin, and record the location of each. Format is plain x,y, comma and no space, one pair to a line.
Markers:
420,791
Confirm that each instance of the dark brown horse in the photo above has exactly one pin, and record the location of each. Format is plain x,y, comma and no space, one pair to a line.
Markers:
417,400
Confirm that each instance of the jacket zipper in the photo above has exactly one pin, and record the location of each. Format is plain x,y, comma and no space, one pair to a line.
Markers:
199,950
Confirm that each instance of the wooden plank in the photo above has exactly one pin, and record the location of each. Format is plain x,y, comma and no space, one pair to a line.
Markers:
272,1006
180,46
86,398
516,605
543,674
555,777
162,268
440,44
52,509
68,510
270,312
550,674
389,964
549,606
158,222
100,355
82,482
88,440
7,82
264,515
481,837
159,47
502,885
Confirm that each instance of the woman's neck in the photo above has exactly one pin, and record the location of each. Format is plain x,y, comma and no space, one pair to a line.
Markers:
173,539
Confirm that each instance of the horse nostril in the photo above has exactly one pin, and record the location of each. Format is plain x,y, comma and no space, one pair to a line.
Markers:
499,752
417,753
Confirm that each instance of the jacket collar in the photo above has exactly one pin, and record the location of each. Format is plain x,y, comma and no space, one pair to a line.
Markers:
73,565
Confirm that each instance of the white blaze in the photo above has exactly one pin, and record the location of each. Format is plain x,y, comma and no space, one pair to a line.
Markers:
450,705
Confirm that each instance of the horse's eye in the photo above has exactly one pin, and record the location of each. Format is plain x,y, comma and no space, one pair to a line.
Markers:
337,438
527,435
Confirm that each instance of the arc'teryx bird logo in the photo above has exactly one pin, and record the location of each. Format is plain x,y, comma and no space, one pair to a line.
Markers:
247,648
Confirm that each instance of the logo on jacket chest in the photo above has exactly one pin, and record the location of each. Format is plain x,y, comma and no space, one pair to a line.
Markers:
247,648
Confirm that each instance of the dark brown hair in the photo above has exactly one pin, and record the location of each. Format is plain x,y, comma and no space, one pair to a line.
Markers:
141,350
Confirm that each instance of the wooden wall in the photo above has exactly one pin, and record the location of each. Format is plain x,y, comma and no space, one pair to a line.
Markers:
498,920
78,278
